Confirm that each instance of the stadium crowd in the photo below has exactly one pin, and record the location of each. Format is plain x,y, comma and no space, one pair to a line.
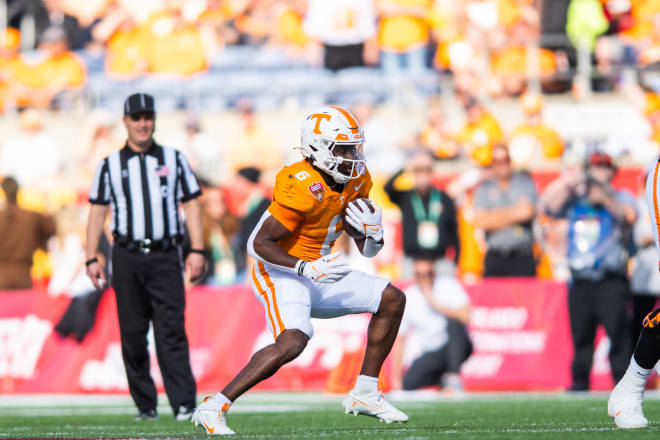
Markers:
484,46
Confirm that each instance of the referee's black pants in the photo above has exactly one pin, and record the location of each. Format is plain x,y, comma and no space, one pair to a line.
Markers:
150,288
510,264
599,302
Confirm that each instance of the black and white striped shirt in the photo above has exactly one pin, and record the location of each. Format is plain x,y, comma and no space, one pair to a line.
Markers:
144,190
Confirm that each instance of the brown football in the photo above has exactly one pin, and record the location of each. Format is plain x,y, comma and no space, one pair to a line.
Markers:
350,230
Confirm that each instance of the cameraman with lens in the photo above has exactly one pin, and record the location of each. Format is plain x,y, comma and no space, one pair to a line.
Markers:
600,221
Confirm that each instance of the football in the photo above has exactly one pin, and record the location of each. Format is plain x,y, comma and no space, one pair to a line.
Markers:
350,230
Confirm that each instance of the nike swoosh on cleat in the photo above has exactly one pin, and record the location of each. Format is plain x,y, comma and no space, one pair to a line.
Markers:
376,410
210,430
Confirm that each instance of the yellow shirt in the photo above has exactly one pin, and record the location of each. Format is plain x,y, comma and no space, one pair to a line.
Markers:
512,61
290,28
551,143
307,207
127,52
180,52
65,71
480,137
400,33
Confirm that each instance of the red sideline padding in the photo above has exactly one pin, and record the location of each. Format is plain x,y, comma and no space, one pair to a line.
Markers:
519,327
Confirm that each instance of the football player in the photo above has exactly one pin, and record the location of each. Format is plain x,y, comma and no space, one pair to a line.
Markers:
625,403
297,278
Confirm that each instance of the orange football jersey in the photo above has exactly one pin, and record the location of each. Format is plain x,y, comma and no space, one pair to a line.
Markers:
307,207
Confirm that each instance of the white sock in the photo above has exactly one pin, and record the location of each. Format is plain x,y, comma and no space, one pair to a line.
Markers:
366,384
222,401
635,377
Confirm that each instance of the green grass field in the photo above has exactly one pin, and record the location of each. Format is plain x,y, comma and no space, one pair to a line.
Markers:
293,416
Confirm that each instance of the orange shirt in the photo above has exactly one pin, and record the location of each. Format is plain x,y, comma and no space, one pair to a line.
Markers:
400,33
307,207
65,71
126,54
441,144
480,137
512,61
180,52
550,141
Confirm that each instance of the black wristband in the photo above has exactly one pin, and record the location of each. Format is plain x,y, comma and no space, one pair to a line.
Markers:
197,251
91,260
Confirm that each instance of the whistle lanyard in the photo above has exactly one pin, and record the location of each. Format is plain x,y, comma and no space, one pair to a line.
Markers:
434,207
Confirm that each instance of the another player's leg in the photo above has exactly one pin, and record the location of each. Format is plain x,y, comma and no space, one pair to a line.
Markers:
365,397
263,364
625,403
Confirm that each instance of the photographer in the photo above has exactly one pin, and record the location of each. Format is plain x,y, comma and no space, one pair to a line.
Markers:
599,234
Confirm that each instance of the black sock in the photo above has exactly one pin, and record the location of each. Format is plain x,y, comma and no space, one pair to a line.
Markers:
647,351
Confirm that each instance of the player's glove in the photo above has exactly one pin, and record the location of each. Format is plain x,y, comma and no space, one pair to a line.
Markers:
369,223
327,269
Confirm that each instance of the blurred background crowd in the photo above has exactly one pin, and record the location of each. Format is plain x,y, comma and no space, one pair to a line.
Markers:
483,108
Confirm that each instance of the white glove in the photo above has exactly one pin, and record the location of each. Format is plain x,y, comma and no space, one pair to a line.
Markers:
326,269
367,222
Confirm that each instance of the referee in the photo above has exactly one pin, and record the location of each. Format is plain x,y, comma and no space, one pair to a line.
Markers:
142,186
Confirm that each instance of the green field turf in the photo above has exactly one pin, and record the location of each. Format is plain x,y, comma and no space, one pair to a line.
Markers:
298,416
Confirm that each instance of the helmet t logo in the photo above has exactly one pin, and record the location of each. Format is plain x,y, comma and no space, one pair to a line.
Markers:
319,117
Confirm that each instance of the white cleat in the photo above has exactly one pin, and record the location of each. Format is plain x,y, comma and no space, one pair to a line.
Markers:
211,417
625,407
374,405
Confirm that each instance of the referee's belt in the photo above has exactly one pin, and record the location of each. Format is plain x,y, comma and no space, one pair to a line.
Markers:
147,245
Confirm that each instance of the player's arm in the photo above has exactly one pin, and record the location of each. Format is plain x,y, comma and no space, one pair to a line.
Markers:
263,246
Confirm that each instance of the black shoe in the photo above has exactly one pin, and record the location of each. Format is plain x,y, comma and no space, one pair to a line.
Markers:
579,387
150,414
184,414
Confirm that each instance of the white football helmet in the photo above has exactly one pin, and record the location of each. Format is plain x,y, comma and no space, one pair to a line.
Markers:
325,129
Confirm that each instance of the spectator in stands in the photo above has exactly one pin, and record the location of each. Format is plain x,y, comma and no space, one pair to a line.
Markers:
480,132
219,228
252,203
17,154
343,26
69,277
51,13
205,154
403,35
533,141
126,44
462,190
381,149
510,64
22,233
435,135
291,34
10,40
428,214
585,21
505,209
438,311
174,48
58,74
600,220
254,141
645,277
102,140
